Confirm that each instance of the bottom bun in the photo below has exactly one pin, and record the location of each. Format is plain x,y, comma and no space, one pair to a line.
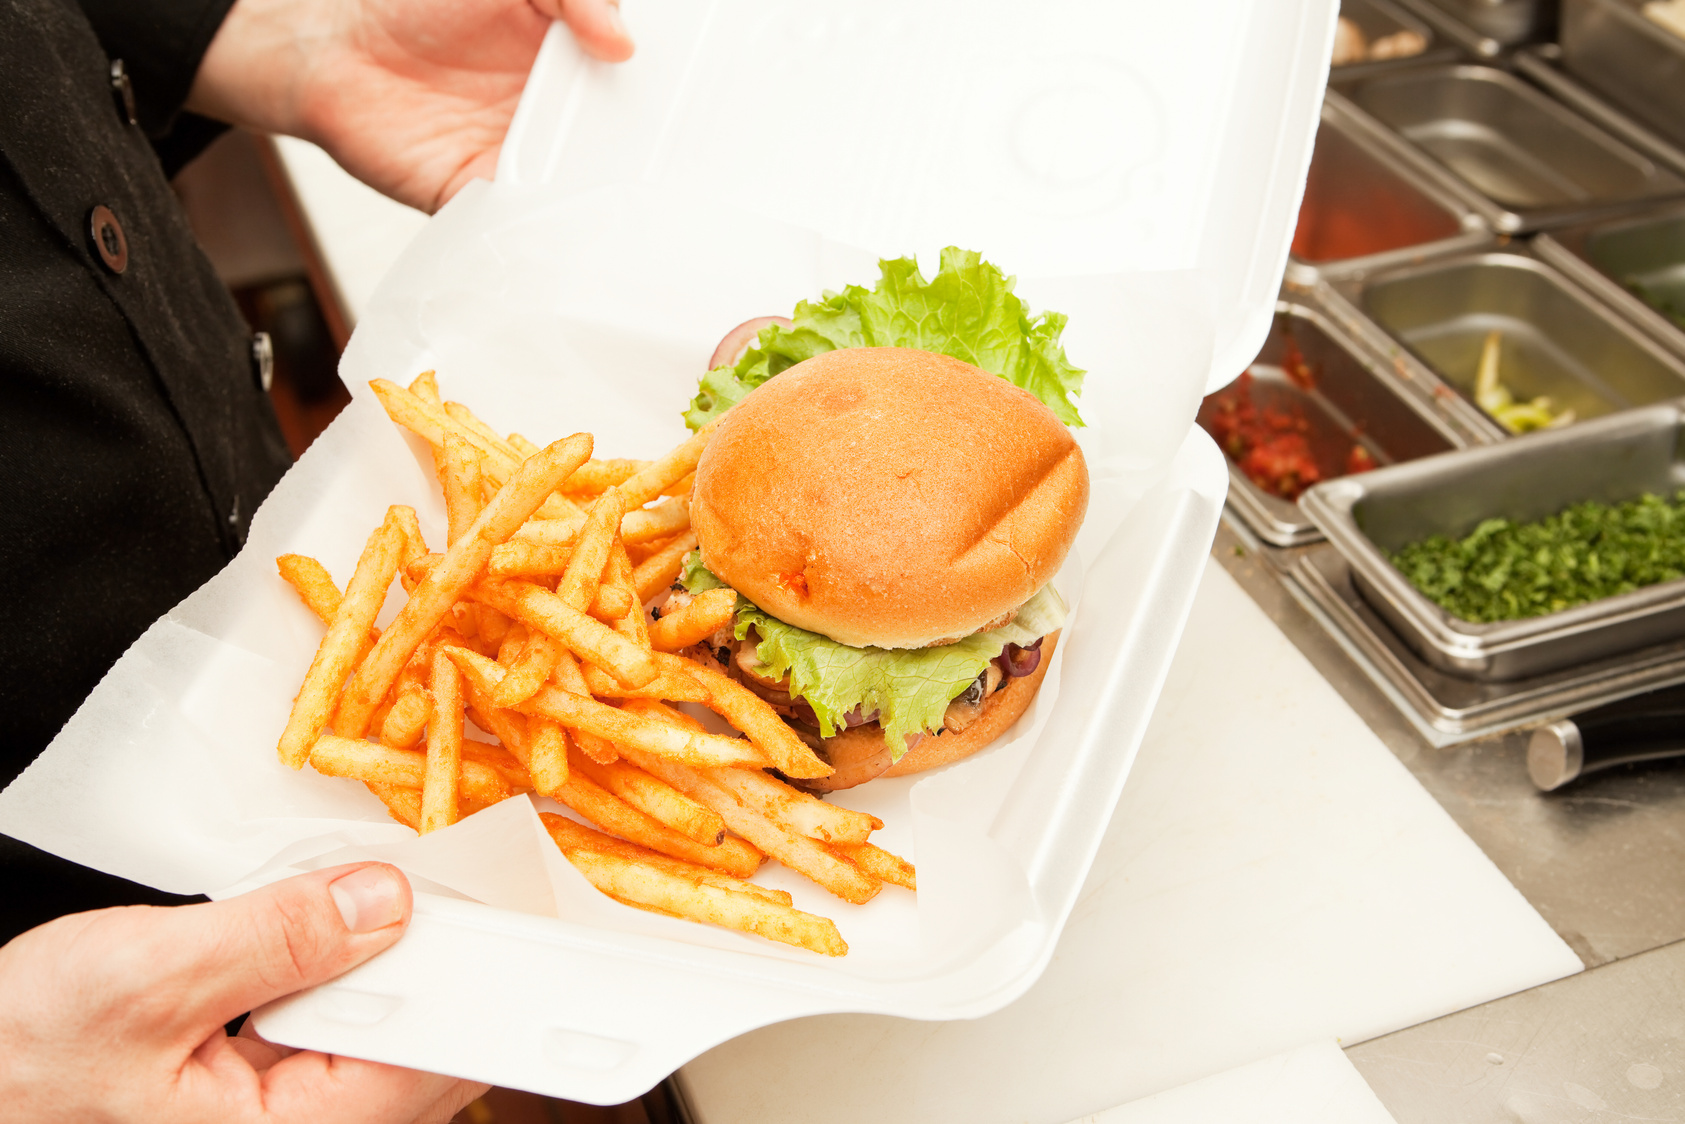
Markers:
1000,711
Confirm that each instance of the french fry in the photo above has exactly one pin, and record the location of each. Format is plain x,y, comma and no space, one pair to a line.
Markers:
632,625
529,671
800,812
536,478
797,852
500,758
659,475
419,567
598,476
442,779
408,716
662,568
403,804
661,890
560,531
527,559
364,595
569,834
366,761
753,715
569,678
879,863
458,468
313,584
547,756
664,520
591,550
521,445
430,422
580,633
733,856
558,506
425,386
612,603
709,612
415,546
657,799
668,686
664,712
470,420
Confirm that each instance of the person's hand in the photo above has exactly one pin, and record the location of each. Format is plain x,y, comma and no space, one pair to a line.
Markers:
412,97
118,1015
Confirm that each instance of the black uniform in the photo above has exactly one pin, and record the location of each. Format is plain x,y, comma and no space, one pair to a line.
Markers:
135,441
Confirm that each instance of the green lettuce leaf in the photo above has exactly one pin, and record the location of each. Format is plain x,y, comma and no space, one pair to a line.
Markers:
967,310
908,688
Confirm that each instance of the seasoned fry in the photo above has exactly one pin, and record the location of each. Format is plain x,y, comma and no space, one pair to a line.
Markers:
656,477
560,531
612,603
754,716
569,678
365,761
408,716
591,550
632,625
364,595
536,478
430,422
507,765
442,779
696,897
879,863
521,445
526,559
709,612
415,547
458,468
662,568
597,476
550,614
468,419
558,506
800,812
657,799
426,387
547,756
529,671
313,584
569,834
797,852
733,856
403,804
669,686
666,518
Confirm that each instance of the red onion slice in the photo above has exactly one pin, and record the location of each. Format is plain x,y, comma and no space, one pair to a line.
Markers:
1022,661
741,338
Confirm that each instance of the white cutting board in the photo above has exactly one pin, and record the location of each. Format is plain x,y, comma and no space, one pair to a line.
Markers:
1272,876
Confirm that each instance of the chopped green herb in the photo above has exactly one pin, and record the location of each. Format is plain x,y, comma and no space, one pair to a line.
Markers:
1504,571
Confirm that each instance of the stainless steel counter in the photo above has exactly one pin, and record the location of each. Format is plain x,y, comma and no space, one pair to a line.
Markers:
1603,861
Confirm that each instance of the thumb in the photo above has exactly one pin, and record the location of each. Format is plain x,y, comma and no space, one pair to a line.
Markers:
230,956
596,24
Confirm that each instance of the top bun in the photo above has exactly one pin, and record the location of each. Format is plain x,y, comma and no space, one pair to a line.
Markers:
889,497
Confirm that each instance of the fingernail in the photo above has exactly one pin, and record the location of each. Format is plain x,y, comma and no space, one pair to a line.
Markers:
368,899
615,23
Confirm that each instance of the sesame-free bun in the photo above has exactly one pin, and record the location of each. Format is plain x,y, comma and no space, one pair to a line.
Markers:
890,497
1000,711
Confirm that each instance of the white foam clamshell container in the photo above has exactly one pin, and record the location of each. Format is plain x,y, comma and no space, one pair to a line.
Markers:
1137,164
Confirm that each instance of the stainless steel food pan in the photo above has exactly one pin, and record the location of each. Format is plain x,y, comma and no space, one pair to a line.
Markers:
1351,402
1637,265
1365,208
1500,23
1369,517
1381,21
1533,161
1558,342
1542,65
1636,63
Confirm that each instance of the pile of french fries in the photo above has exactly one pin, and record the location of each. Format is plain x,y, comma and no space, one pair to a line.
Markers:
532,625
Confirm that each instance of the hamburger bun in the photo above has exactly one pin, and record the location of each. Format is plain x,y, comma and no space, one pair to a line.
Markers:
888,497
1000,711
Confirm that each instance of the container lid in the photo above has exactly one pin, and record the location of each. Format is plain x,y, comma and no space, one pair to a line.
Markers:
1074,138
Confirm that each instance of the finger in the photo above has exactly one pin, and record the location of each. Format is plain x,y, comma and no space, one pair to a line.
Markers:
196,967
249,1031
259,1055
596,24
453,1102
314,1088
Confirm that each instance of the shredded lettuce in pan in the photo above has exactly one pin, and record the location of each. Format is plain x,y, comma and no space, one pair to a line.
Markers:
967,310
908,688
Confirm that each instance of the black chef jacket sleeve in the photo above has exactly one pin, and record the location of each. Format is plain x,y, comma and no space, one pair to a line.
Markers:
161,43
135,441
